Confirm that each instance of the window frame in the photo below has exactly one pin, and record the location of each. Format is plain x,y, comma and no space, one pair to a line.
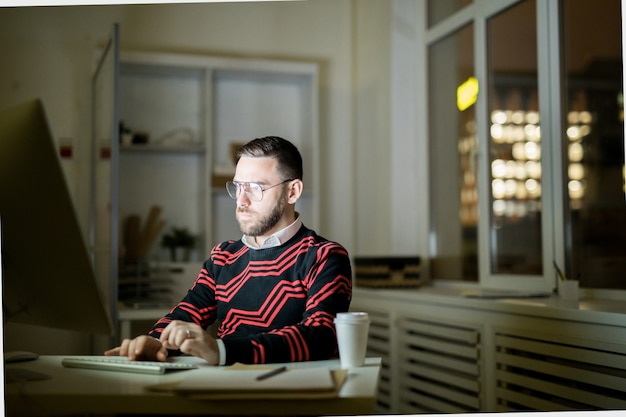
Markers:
550,89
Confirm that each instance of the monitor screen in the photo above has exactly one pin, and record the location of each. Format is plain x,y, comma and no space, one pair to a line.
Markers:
48,277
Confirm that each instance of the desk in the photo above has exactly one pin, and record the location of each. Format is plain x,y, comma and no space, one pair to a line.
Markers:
83,391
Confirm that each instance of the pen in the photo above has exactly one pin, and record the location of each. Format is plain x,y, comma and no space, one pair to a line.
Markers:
271,373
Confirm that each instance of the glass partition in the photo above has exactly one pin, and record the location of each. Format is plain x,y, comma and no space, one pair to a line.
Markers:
103,236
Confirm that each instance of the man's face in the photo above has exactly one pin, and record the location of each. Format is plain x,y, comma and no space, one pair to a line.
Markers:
260,218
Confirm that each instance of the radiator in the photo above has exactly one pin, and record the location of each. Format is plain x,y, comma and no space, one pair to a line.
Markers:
378,345
439,367
541,374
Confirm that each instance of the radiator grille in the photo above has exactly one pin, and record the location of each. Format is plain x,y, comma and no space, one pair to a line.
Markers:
378,345
542,374
439,367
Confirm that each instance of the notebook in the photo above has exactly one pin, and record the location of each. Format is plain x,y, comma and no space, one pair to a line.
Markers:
242,382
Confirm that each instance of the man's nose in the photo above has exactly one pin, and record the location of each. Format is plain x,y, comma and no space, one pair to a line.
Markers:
242,198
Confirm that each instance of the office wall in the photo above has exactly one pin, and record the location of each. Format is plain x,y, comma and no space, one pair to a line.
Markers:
48,52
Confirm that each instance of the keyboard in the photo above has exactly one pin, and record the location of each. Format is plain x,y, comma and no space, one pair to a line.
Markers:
122,364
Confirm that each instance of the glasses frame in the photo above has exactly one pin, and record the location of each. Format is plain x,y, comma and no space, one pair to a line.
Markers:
248,185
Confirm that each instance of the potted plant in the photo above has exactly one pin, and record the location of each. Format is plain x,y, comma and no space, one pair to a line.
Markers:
178,239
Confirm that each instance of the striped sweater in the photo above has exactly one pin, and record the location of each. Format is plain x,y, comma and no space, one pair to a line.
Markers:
272,305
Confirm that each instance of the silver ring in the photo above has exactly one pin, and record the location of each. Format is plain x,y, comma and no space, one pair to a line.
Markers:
188,333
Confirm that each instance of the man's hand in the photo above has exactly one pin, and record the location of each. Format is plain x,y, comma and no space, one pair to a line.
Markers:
141,348
191,339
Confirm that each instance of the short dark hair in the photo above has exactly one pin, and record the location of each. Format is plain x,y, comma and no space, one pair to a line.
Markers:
285,152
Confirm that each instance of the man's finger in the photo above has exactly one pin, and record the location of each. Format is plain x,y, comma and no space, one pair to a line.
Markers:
113,352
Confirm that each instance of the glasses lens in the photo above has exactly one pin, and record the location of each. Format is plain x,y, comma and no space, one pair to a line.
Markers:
232,189
254,191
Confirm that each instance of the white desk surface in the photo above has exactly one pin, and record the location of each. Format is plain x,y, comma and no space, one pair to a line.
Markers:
83,391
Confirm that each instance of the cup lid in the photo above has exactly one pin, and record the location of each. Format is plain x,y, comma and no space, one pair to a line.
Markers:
352,316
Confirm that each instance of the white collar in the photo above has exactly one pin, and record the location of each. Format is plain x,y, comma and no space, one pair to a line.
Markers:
279,237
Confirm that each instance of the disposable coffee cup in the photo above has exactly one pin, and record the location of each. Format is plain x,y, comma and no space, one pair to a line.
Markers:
568,290
352,330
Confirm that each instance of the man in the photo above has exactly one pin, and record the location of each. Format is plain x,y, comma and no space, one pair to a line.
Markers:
274,292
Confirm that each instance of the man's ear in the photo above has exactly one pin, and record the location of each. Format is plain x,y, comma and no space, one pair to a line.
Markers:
294,191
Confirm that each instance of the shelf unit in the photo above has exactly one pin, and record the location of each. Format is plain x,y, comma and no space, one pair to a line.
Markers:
193,110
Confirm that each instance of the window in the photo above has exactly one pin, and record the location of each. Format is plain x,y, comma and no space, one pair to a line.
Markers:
593,144
514,142
532,173
454,199
440,9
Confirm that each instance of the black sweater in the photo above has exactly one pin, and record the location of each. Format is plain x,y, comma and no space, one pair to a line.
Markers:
272,305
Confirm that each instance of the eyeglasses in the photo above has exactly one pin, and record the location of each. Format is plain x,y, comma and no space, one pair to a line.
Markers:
253,190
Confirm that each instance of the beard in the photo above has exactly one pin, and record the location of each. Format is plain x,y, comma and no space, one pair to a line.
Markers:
261,226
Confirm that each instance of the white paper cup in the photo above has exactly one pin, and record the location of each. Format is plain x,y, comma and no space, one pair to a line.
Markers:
352,330
568,290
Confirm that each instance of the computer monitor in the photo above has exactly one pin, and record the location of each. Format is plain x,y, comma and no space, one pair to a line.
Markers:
48,277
